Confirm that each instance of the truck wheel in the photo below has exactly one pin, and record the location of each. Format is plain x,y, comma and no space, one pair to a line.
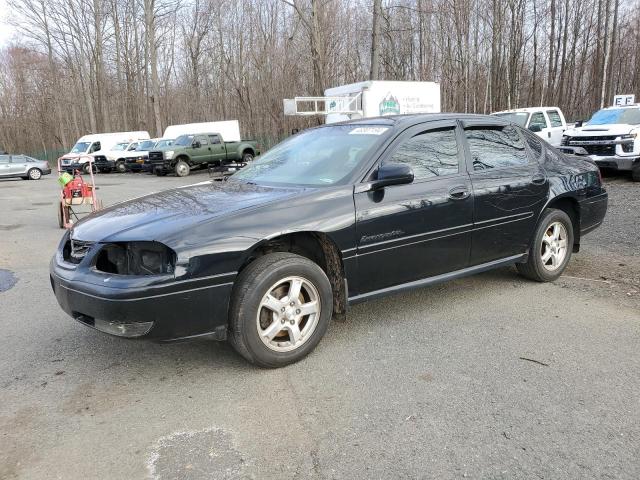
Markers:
182,168
86,166
120,167
551,247
280,309
247,157
635,172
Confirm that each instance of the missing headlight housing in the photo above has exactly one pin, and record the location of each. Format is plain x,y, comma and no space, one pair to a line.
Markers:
136,258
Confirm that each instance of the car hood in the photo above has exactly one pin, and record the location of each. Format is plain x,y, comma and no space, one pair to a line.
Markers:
601,130
160,216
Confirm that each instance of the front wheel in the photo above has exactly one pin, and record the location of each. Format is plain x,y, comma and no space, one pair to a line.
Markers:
551,247
280,309
120,167
635,172
182,168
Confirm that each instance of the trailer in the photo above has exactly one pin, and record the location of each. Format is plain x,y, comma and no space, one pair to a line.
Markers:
368,99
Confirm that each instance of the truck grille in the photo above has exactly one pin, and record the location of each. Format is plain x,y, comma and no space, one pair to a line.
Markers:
156,157
598,145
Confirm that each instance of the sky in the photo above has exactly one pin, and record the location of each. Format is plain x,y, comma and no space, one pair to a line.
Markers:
6,32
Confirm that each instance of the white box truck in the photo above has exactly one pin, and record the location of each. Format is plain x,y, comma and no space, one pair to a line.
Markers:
367,99
229,130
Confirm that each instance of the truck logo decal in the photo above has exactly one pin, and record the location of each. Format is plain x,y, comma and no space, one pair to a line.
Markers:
389,105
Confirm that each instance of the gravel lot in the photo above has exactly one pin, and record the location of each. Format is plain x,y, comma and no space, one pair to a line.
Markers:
488,377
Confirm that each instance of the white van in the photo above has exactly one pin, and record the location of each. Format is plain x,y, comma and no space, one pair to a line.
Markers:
546,122
97,145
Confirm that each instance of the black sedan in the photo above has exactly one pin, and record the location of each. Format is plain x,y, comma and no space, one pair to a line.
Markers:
330,217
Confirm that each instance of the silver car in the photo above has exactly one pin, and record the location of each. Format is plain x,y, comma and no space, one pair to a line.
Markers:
22,166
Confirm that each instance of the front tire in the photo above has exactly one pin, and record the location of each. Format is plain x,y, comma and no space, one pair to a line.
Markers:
551,247
34,174
120,167
182,168
280,309
635,172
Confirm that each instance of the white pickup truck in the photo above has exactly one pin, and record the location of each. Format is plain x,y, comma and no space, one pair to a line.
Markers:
546,122
611,138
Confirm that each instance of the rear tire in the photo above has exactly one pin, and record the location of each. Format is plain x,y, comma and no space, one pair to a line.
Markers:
182,168
34,174
247,157
266,326
550,249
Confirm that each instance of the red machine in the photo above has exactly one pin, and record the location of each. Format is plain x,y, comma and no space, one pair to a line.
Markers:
75,193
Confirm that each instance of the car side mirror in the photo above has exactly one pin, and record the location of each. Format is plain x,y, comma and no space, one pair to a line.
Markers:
393,174
535,127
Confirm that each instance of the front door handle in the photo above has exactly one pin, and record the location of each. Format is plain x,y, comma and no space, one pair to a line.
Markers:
459,193
538,179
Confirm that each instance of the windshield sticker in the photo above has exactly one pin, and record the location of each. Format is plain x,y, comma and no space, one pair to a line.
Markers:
368,131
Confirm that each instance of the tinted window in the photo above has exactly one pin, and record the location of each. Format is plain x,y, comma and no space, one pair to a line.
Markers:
4,158
429,154
133,146
516,117
554,118
214,139
95,147
495,147
538,119
203,140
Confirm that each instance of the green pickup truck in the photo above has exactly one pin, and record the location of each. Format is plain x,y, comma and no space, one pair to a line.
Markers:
200,150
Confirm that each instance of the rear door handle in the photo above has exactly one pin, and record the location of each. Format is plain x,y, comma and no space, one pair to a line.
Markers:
538,179
459,193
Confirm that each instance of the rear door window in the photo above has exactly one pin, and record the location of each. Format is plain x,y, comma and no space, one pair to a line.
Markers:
215,139
4,159
495,147
554,118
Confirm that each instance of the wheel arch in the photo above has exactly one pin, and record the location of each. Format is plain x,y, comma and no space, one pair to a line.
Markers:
317,247
247,149
571,207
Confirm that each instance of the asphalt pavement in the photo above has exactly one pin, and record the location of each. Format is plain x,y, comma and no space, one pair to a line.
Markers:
487,377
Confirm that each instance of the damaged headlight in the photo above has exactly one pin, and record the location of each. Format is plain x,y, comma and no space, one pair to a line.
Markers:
136,258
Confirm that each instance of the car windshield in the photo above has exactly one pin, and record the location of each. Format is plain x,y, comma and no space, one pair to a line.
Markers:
80,147
320,157
146,145
184,140
519,118
629,116
120,146
164,143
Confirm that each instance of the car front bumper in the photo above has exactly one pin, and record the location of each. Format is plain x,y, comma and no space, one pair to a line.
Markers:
616,162
170,311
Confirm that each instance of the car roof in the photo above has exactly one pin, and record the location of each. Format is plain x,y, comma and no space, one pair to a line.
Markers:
414,118
526,110
615,107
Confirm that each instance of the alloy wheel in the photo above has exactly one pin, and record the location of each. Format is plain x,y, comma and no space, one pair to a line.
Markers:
288,314
554,246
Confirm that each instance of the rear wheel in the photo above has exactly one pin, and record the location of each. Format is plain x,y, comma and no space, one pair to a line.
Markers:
280,309
550,249
182,168
247,157
34,174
